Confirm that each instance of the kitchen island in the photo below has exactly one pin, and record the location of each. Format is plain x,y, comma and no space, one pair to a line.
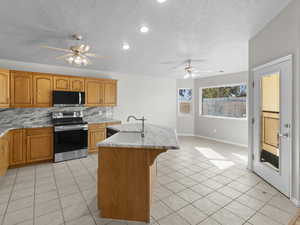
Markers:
127,170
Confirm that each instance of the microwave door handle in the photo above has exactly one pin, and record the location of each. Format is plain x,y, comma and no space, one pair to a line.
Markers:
79,98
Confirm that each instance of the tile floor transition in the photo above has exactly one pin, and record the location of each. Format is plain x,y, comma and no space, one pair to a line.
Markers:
204,183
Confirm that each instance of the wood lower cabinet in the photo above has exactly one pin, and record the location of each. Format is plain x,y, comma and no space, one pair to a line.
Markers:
17,152
110,93
39,144
97,133
30,145
4,88
21,89
4,154
42,90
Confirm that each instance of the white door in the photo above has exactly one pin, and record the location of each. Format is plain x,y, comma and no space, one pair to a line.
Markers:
272,123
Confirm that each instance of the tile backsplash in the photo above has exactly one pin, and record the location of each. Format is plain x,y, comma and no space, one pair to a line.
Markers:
37,116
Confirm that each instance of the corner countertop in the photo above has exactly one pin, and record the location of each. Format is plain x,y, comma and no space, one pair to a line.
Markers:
156,137
6,128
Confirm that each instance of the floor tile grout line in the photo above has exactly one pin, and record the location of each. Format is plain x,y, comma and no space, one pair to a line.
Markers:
9,198
91,214
58,194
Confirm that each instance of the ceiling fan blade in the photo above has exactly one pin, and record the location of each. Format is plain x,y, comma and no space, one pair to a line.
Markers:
94,55
64,56
54,48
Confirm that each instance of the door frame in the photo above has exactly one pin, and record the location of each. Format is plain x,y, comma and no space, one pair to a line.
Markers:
251,118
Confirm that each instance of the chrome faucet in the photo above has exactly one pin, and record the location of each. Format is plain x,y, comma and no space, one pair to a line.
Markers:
143,123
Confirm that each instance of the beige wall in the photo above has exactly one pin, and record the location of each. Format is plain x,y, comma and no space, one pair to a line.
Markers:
280,38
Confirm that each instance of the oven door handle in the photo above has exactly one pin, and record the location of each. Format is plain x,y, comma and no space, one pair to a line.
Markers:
64,128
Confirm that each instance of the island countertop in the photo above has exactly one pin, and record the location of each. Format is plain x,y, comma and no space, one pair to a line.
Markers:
156,137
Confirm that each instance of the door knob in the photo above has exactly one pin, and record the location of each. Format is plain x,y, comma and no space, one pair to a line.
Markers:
284,135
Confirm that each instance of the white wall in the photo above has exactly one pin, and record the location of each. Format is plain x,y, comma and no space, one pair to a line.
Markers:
186,123
279,38
153,98
150,97
225,129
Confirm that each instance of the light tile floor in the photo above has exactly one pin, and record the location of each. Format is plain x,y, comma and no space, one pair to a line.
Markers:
204,183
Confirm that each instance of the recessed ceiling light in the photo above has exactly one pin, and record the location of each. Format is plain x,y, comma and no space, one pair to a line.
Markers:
126,46
144,29
161,1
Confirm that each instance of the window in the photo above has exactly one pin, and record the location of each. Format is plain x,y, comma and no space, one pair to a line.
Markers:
185,101
226,101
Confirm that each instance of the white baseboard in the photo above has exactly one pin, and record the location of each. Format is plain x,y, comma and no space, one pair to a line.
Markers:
296,202
213,139
222,141
185,134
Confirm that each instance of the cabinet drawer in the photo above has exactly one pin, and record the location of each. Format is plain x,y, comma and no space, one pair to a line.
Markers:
97,126
39,131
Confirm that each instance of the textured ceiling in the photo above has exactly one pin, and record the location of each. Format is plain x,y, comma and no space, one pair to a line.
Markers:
215,30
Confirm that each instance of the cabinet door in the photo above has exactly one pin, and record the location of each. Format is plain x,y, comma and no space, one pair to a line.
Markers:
110,93
96,136
21,89
92,92
77,84
4,88
4,151
39,144
42,90
62,83
17,153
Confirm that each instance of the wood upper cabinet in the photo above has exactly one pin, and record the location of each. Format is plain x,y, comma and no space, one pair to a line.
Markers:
17,153
68,83
4,154
4,88
42,90
21,89
39,144
110,93
77,84
62,83
101,92
97,133
92,92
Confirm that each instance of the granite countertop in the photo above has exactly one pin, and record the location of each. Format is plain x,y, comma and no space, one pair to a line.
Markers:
4,129
156,137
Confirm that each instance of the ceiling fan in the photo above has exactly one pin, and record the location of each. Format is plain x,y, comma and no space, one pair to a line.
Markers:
190,71
77,54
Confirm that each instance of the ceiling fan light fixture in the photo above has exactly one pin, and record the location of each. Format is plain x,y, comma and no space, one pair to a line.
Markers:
70,59
77,60
186,76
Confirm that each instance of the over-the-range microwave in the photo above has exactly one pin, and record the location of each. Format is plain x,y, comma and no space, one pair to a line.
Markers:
68,98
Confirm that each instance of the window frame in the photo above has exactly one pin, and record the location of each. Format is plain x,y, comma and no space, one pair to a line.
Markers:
222,117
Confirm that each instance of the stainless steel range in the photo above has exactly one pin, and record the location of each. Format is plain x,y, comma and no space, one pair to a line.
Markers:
70,135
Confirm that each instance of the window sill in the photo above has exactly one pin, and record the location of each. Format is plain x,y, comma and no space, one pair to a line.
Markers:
223,117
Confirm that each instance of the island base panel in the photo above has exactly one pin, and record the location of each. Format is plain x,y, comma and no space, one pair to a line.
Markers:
125,182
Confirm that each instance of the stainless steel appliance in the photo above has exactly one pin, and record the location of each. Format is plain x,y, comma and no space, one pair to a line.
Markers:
68,98
70,135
